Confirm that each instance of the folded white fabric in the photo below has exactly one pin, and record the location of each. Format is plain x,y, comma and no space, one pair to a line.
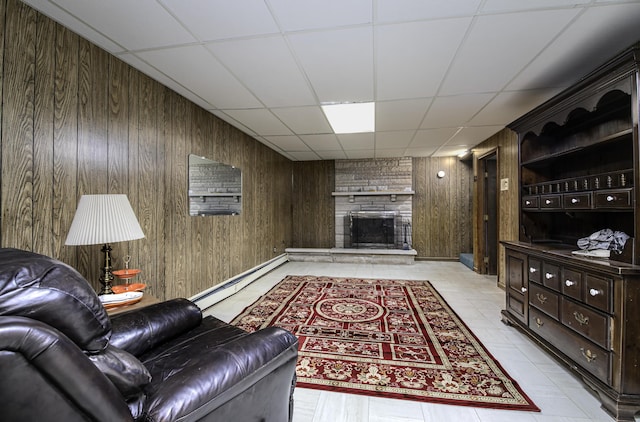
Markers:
605,239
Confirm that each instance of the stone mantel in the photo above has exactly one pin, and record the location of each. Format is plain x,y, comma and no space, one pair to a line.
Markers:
392,194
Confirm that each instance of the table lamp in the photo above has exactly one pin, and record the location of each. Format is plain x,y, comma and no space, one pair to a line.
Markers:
101,220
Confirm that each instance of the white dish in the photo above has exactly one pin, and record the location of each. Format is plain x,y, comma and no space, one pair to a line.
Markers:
120,297
595,253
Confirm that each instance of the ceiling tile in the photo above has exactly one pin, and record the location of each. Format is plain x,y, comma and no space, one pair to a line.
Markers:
455,110
389,153
296,15
288,143
222,19
121,19
409,69
397,115
396,140
339,64
493,6
468,137
412,10
70,21
509,106
584,45
432,137
304,155
355,141
359,154
195,69
332,155
490,59
327,142
267,68
261,121
304,120
420,151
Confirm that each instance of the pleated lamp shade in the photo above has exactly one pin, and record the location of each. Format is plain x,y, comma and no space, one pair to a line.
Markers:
102,219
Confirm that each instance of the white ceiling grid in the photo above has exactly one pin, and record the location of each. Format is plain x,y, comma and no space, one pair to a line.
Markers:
445,75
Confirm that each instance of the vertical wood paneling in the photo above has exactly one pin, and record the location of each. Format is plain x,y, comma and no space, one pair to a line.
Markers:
92,140
65,140
43,129
17,125
99,126
313,207
441,207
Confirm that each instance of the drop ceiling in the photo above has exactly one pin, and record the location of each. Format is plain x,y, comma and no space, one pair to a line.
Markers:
444,74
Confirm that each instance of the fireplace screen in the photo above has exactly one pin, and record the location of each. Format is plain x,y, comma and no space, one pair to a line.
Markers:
372,229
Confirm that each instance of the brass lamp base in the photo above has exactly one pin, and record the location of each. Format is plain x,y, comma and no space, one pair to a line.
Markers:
106,278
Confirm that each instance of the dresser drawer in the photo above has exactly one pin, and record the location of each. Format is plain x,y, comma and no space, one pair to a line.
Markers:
551,275
576,201
531,202
598,292
550,202
591,324
584,353
619,198
535,270
572,283
545,300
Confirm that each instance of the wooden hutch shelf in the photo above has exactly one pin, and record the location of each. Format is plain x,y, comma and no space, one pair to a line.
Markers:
579,173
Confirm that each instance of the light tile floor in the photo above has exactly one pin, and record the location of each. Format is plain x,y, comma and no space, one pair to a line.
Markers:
478,302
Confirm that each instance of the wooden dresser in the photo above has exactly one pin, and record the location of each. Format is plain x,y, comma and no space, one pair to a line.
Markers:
578,158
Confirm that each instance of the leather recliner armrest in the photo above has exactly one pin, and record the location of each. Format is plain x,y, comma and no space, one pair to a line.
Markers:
208,381
40,364
141,330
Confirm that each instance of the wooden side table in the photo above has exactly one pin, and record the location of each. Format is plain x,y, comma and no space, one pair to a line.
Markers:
146,300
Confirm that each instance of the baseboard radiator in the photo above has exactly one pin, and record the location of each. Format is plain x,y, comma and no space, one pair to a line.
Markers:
233,285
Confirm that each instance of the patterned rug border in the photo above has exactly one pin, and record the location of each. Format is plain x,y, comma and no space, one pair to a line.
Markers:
399,393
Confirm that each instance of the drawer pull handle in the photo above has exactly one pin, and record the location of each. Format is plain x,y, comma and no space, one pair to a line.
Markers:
539,322
595,292
532,270
574,200
523,289
548,202
588,355
569,283
610,198
541,298
548,276
527,202
582,320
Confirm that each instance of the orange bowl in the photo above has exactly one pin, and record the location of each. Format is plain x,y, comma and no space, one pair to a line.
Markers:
128,273
122,288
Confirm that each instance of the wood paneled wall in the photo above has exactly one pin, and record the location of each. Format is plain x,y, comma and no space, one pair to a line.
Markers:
313,205
76,120
442,207
506,144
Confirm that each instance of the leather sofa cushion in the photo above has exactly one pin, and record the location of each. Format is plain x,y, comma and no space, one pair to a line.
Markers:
126,372
45,289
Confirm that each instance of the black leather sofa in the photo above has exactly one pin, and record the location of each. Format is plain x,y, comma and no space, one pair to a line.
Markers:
63,359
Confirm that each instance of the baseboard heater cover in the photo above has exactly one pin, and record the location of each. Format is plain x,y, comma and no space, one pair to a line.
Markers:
221,291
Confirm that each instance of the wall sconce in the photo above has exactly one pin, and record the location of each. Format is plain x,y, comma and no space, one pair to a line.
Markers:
440,174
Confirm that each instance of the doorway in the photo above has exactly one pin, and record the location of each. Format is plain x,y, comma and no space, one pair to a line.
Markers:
488,198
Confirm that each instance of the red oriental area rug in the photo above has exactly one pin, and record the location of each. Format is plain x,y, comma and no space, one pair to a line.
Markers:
387,338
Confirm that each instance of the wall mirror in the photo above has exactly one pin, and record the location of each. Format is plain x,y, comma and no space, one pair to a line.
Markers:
214,188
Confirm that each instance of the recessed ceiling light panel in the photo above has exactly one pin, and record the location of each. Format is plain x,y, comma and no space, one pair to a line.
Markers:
351,117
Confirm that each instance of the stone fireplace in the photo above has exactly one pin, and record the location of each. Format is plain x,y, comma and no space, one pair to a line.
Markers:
373,200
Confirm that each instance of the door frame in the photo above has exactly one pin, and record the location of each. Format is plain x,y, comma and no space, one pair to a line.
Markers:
481,252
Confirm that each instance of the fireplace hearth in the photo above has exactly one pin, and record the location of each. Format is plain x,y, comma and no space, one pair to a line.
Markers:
372,229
